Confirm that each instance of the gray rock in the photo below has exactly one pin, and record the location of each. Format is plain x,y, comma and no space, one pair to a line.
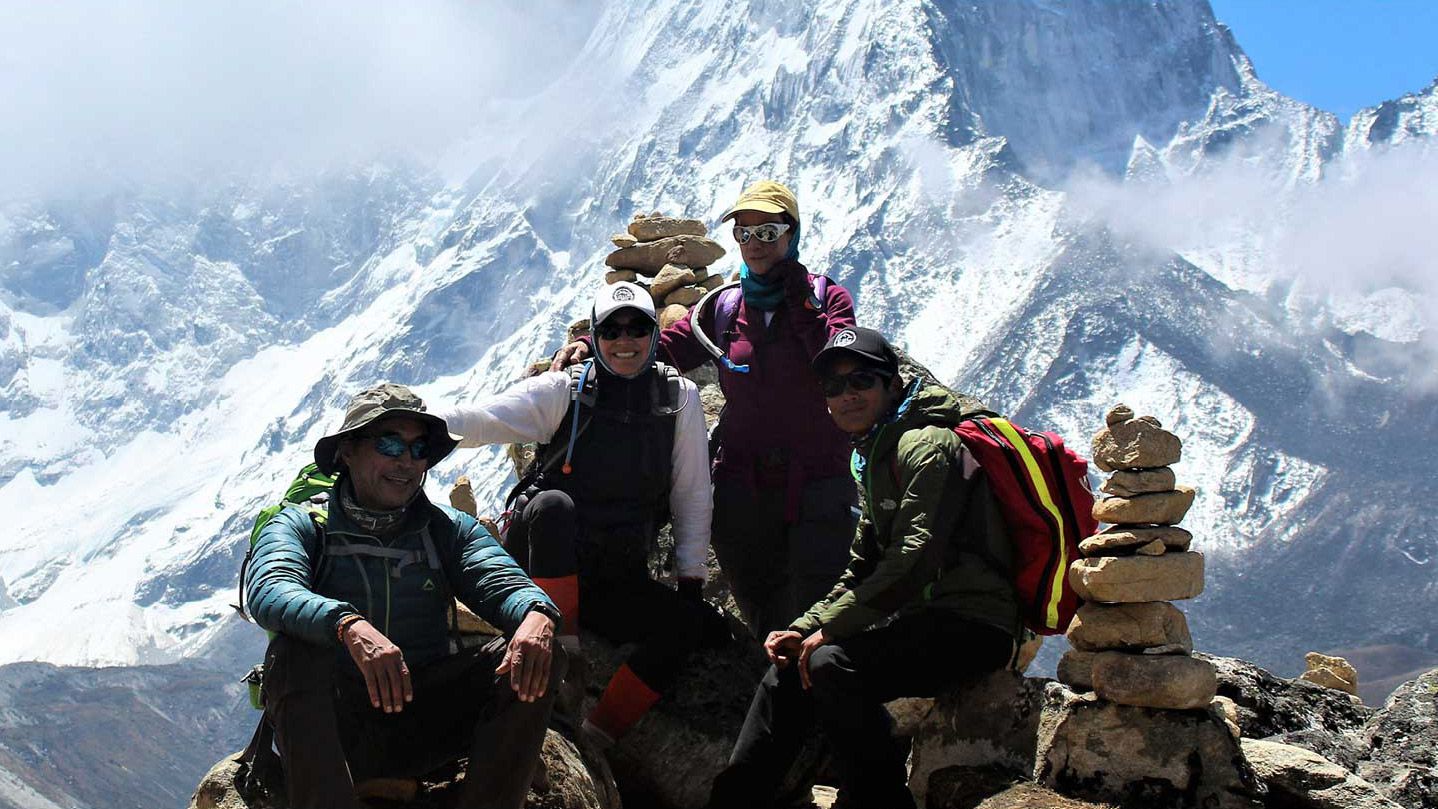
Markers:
1345,750
989,725
1269,705
1139,757
1402,741
1176,682
567,779
1301,778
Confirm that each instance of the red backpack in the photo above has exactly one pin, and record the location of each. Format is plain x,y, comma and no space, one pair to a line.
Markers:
1042,490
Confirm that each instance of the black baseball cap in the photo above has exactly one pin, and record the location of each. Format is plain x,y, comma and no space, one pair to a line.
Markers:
865,345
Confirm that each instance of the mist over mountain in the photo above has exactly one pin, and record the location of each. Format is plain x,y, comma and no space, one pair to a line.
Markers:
1055,207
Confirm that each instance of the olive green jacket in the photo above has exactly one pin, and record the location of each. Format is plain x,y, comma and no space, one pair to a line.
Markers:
930,535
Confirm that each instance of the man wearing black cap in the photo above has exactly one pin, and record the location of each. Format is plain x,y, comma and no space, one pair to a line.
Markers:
362,678
926,601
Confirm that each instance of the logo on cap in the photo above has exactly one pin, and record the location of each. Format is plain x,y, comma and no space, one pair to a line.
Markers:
845,338
623,294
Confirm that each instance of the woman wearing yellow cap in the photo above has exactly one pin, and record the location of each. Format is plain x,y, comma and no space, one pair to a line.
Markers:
783,496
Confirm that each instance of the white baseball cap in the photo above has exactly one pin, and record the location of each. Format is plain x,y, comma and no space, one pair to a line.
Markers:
622,295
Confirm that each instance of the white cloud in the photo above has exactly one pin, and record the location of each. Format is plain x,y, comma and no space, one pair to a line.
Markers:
137,92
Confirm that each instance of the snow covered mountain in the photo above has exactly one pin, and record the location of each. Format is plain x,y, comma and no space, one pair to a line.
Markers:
1054,206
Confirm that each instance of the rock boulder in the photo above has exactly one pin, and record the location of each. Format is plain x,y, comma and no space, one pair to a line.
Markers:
1121,540
1129,482
1138,757
648,258
1330,672
1301,778
652,228
1158,508
1129,627
1139,443
1133,579
1176,682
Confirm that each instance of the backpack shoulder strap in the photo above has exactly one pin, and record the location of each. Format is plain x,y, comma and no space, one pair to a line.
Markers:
726,314
669,396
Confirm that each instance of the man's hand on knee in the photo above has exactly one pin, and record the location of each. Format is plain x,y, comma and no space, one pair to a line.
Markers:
382,664
529,657
806,650
781,646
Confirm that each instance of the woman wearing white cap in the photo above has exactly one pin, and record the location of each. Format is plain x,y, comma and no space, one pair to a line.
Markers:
624,449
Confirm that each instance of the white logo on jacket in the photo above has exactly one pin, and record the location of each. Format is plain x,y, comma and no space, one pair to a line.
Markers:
887,504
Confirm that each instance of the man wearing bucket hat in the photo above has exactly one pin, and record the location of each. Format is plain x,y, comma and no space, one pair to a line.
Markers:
362,677
623,449
783,499
926,601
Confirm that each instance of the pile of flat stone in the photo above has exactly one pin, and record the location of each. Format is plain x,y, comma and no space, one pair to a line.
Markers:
1131,646
670,257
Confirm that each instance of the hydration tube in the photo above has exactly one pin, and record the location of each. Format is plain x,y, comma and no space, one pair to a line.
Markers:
708,345
574,393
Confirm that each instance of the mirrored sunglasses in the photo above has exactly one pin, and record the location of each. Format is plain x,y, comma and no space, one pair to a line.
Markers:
635,328
768,233
391,445
860,380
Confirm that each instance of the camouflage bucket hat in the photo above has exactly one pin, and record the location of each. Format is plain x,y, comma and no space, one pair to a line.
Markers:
382,401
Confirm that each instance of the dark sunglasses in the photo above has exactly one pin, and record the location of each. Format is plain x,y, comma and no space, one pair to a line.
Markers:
391,445
634,328
768,233
860,379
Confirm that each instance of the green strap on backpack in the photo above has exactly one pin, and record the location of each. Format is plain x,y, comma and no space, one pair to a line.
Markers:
310,491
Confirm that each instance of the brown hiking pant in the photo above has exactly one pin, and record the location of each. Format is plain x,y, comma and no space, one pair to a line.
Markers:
329,736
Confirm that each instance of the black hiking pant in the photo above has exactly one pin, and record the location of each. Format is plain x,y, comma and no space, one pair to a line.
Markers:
778,569
917,655
617,599
330,736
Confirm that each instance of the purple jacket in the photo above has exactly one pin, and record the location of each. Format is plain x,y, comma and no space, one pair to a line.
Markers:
776,410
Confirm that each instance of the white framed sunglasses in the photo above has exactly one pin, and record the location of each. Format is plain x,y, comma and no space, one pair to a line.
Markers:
768,233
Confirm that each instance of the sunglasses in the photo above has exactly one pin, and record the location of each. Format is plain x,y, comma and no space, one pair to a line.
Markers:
634,328
860,380
768,233
391,445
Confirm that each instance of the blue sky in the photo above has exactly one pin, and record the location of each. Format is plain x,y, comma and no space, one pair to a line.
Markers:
1338,55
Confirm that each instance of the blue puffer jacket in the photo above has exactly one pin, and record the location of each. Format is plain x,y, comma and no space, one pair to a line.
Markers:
391,583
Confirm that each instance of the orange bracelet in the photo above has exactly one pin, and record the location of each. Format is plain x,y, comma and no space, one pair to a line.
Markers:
344,622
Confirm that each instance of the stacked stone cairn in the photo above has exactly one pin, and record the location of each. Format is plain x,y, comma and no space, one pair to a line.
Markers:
1133,719
1130,645
669,257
